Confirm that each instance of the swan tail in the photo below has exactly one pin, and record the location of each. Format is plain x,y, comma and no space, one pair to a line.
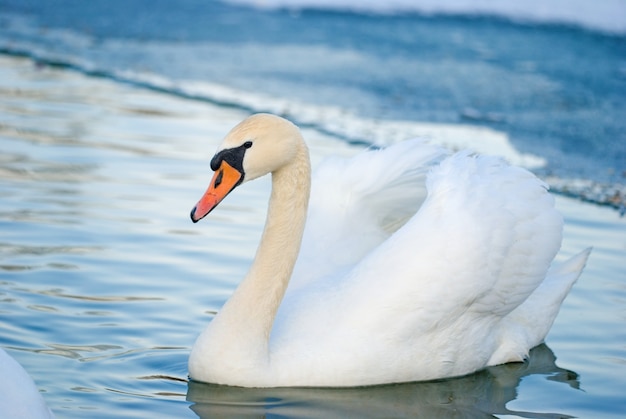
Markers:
546,301
527,325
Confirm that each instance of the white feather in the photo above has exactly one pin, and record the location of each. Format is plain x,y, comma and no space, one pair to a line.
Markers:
19,397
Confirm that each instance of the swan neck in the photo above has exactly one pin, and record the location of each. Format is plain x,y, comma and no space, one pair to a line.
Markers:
280,242
243,325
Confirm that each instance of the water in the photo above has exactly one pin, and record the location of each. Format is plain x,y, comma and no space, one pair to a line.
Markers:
104,281
549,77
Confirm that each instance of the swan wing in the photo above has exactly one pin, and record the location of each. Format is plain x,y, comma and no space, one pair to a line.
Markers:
479,246
358,202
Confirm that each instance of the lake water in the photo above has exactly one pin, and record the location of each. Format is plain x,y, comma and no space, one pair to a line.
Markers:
105,283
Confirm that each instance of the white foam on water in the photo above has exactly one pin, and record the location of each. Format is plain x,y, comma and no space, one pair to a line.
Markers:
344,124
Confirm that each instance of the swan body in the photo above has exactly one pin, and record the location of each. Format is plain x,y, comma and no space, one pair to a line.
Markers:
19,397
407,265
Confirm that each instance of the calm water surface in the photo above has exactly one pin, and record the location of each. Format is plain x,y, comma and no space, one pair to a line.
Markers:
105,283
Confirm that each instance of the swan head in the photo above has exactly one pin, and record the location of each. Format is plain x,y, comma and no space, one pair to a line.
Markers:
260,144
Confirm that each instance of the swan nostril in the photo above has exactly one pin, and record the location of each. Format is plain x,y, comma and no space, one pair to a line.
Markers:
218,179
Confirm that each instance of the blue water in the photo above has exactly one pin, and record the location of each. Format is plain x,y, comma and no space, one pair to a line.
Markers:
111,110
557,90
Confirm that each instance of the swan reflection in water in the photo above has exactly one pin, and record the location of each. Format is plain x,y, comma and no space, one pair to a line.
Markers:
479,395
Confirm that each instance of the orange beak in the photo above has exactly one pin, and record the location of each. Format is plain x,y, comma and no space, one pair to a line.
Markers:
225,179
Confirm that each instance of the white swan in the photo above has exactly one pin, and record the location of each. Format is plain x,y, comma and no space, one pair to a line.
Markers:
19,397
382,291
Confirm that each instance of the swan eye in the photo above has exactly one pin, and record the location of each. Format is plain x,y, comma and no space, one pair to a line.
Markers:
247,144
